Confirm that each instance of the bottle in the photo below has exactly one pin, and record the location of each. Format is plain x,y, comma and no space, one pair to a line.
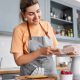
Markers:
71,31
62,32
66,32
51,13
54,15
69,18
58,30
64,16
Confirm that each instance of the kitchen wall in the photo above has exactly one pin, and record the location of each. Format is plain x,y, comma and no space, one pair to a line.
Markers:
7,57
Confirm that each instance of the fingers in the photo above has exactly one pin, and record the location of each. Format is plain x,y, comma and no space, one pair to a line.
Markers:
46,51
57,51
50,51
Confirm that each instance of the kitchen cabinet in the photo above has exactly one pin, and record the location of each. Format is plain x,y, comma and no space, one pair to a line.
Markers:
63,18
78,22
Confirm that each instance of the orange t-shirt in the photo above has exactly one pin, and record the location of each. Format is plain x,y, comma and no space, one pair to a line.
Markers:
20,36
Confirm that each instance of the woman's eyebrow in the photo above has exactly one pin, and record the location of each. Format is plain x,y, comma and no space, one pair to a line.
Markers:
33,12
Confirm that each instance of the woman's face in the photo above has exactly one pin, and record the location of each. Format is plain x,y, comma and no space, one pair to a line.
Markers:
33,14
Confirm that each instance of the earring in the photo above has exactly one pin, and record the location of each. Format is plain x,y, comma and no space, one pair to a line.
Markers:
25,19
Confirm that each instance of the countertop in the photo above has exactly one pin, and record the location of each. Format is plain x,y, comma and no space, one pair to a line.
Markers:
37,77
13,70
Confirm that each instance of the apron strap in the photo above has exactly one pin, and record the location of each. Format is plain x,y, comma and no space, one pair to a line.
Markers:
29,31
42,29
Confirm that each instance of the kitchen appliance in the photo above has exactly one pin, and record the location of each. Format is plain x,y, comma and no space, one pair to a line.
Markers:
75,67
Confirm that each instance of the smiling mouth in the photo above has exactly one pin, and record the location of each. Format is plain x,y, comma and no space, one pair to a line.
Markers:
36,20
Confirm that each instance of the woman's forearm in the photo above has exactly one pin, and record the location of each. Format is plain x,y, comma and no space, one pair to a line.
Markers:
26,58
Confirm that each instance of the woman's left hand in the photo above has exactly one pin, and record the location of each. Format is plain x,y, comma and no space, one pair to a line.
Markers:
57,52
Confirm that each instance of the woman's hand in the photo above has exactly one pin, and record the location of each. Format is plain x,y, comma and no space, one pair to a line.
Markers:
57,52
49,51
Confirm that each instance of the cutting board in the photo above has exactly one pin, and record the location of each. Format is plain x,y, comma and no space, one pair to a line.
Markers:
36,77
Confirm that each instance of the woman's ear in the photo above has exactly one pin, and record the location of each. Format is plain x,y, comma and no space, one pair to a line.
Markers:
23,16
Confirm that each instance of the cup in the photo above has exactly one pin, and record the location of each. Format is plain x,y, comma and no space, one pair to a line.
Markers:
66,75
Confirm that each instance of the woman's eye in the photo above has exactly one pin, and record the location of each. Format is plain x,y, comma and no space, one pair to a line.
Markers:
31,14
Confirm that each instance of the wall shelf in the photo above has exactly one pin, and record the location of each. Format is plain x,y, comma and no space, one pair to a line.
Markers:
60,21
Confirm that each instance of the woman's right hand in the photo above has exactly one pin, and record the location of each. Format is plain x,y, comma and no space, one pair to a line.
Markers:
48,51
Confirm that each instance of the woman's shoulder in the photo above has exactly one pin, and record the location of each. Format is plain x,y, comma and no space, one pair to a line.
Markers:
45,24
21,27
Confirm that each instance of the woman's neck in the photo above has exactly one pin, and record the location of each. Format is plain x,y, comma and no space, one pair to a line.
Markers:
33,25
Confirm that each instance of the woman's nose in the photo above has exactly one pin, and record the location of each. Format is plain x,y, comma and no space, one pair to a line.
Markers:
36,15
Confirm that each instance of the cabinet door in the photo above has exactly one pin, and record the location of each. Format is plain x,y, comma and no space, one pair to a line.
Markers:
9,14
78,22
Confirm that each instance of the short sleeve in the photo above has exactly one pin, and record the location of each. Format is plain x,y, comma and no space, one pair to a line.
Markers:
17,44
52,35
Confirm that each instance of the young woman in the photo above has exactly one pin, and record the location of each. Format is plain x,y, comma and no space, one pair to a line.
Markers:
33,42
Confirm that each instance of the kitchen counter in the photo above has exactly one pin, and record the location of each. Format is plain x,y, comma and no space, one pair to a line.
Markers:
16,70
37,77
13,70
9,73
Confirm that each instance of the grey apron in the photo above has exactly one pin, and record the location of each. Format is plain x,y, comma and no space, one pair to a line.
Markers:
44,65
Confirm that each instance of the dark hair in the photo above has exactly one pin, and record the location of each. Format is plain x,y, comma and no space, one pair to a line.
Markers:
25,4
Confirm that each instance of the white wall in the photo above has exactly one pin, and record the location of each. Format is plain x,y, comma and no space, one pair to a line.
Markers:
9,14
7,57
8,60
